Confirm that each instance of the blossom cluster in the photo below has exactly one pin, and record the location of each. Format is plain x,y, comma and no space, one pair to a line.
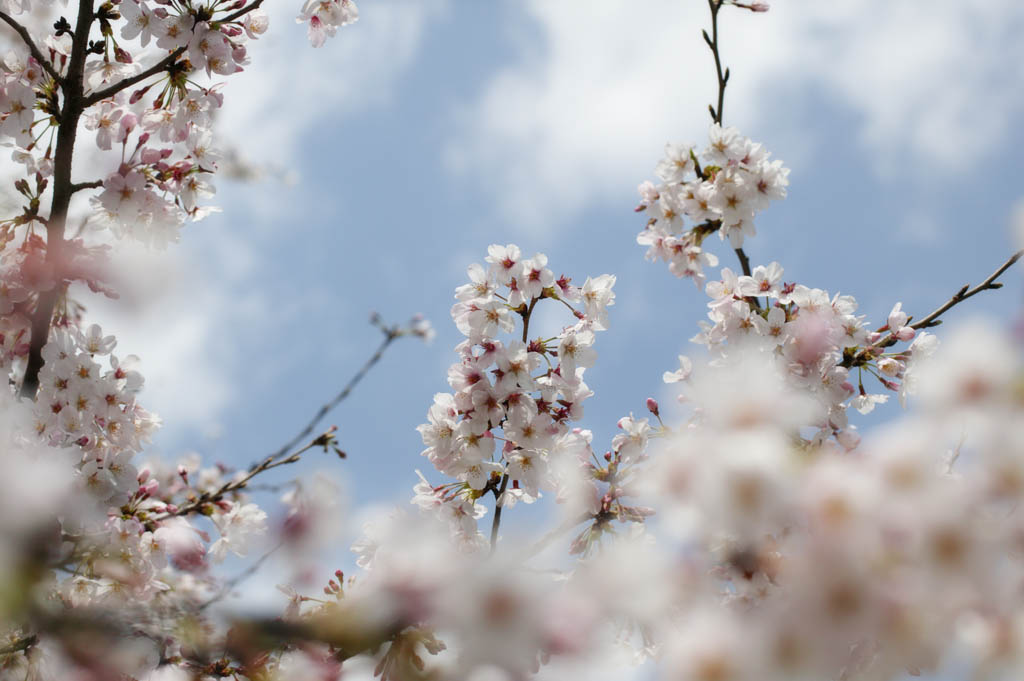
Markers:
813,562
523,392
737,181
825,347
784,547
102,542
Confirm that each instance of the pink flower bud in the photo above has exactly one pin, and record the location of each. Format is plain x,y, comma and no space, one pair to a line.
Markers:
906,333
652,405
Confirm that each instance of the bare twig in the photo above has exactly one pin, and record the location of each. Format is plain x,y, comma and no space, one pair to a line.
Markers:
932,319
544,541
32,47
239,578
79,186
390,334
723,78
716,113
965,293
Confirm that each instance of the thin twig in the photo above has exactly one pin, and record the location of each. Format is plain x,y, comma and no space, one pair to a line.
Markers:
32,47
156,68
240,13
933,319
963,294
79,186
390,334
716,113
239,578
543,542
723,78
235,485
161,65
496,523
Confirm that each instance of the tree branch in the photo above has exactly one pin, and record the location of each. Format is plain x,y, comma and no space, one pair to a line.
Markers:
963,294
235,485
932,319
723,78
716,114
390,334
161,65
32,48
240,13
239,578
20,645
71,112
156,68
496,523
79,186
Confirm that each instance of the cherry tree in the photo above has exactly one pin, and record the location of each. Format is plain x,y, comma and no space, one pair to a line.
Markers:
762,537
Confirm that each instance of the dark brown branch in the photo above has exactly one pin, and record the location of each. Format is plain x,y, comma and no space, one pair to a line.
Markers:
161,65
79,186
963,294
20,645
716,114
496,523
227,488
71,112
932,319
32,47
390,334
240,13
156,68
723,78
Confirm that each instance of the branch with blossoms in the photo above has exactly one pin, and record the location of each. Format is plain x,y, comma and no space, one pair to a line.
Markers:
785,549
902,332
165,148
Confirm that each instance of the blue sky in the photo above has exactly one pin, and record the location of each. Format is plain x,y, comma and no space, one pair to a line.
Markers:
394,155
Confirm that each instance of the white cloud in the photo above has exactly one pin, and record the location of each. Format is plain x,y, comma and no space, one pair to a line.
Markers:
184,322
930,83
291,88
186,310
